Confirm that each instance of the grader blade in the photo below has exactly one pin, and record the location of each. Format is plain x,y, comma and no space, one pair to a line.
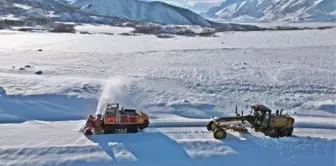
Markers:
237,128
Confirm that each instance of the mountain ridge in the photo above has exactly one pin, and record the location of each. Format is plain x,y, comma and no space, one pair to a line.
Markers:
157,12
274,10
109,12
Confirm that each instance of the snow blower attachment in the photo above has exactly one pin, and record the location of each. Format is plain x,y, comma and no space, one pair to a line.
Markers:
115,120
272,125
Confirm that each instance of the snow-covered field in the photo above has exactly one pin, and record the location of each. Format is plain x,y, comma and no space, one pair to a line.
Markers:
181,82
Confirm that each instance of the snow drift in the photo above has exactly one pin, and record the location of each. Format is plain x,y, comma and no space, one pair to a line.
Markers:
274,10
47,107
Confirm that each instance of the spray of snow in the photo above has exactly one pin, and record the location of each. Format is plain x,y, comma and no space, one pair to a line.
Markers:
112,92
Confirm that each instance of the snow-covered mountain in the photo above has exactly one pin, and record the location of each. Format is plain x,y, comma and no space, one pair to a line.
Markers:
107,12
195,6
201,7
48,10
157,12
274,10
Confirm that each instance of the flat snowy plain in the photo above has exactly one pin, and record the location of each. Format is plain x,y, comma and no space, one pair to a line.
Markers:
181,82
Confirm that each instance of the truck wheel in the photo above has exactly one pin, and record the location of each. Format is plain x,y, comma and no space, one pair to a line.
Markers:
219,133
132,129
88,131
109,130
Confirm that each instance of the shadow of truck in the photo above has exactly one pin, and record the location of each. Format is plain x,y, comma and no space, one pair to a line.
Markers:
141,148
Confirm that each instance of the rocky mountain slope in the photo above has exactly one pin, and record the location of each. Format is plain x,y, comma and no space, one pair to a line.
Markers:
157,12
274,10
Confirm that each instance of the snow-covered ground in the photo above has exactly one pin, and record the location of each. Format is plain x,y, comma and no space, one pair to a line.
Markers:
103,29
181,82
283,24
58,143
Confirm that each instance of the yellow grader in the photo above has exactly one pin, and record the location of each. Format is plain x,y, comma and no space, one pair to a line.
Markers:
260,118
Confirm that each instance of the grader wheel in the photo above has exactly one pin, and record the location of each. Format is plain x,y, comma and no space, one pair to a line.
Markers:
210,126
290,131
219,133
272,133
284,133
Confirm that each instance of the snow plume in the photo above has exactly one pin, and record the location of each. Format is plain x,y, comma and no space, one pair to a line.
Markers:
113,91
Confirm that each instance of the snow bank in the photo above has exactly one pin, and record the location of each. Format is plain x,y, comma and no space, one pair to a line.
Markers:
316,108
67,102
274,10
48,107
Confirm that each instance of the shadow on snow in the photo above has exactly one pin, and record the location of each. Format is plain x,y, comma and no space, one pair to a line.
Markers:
156,148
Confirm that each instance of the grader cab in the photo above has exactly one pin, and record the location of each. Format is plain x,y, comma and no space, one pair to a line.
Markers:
260,118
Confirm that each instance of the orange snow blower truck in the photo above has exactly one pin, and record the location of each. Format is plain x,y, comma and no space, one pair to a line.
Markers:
115,120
